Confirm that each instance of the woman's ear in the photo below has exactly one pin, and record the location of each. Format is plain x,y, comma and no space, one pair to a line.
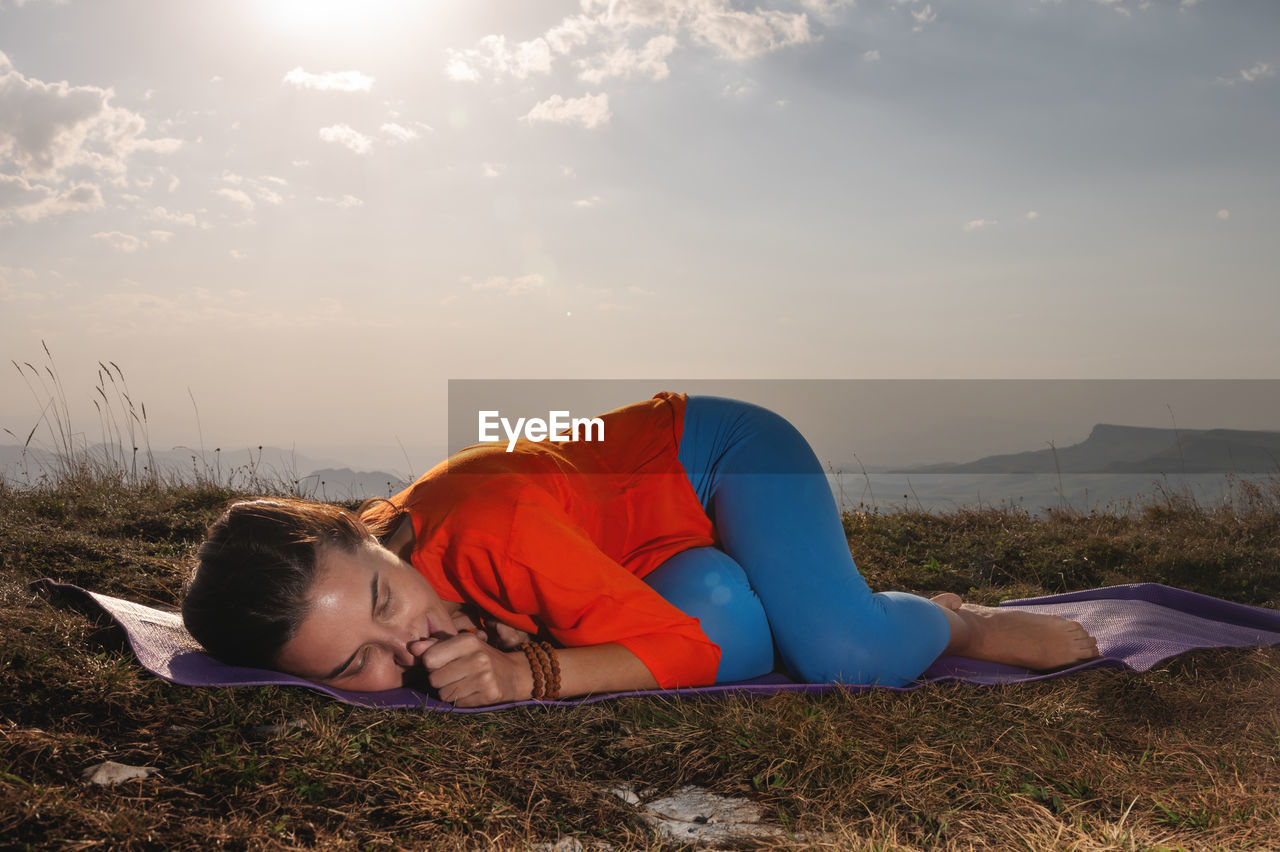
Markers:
401,538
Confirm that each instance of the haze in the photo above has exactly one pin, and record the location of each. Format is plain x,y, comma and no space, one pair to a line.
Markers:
309,216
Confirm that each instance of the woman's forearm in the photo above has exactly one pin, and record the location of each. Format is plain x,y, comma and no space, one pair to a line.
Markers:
601,668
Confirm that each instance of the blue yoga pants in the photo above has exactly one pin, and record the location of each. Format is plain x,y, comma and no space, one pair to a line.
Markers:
783,580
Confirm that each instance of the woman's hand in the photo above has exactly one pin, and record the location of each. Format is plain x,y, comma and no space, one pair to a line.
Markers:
503,635
499,633
468,672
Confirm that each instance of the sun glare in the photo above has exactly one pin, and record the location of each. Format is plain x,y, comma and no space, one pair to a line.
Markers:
311,18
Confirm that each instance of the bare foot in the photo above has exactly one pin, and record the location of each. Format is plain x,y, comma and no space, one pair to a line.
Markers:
948,600
1015,637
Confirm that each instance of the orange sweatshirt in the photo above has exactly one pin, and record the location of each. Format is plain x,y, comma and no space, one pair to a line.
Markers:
557,536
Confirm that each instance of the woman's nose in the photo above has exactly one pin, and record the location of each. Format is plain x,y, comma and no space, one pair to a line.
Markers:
404,655
405,644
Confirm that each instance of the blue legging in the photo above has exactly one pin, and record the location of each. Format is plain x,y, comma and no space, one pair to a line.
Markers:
783,579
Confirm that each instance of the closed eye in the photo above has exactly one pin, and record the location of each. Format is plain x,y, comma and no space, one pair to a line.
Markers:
345,668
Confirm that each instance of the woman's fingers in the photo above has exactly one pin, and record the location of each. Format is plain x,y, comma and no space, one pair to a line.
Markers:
508,636
467,671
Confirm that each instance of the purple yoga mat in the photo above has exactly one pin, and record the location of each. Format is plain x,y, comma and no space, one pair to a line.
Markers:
1136,626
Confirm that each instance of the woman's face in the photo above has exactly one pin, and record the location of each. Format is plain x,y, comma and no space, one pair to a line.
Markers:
371,618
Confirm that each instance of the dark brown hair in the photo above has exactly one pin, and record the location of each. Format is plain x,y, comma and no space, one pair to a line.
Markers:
249,592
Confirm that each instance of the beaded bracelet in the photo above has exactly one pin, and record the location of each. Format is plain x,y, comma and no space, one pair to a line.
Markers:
545,668
535,666
550,670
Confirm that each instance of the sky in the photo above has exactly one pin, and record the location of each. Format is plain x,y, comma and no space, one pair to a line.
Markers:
293,222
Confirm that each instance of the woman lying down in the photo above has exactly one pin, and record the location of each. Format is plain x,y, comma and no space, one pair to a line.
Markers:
698,543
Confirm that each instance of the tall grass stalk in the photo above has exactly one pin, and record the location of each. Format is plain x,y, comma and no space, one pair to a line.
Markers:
66,457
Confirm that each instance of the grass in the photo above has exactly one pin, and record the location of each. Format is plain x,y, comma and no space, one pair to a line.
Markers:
1186,756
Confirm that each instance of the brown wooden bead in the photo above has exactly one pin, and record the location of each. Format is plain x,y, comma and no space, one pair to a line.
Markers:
535,667
553,674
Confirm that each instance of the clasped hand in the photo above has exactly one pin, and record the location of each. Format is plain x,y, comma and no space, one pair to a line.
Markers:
468,671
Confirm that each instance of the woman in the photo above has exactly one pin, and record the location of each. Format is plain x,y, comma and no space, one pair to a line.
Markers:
698,542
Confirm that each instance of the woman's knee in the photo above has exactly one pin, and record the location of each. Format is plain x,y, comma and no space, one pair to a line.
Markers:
706,583
888,642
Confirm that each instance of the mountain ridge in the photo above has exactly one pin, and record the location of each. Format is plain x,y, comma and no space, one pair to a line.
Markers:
1115,448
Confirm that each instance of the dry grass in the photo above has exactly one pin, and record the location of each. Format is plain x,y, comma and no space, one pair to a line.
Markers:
1186,756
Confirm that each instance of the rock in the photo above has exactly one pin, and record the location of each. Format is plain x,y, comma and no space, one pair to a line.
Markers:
693,814
573,844
624,793
110,772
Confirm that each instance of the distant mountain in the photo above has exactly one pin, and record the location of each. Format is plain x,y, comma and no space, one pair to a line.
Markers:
263,468
347,484
1135,449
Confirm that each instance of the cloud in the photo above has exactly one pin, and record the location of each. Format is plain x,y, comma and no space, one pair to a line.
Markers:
979,224
257,185
1253,74
239,196
16,192
612,27
164,215
492,55
588,202
46,128
589,111
398,133
1224,214
460,69
923,16
1259,71
744,35
825,7
31,202
570,33
509,286
161,236
649,61
1032,215
871,56
126,243
1117,7
347,136
329,81
490,170
346,201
